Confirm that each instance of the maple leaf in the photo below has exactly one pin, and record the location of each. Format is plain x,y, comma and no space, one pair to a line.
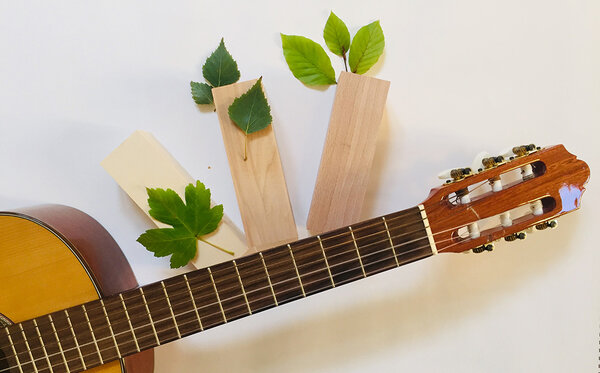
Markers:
190,221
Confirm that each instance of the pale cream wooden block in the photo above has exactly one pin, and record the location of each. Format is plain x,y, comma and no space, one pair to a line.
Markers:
140,162
348,152
259,181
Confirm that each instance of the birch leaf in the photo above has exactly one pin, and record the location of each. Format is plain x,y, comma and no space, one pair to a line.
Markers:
251,111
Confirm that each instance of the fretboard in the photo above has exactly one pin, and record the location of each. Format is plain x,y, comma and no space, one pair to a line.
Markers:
101,331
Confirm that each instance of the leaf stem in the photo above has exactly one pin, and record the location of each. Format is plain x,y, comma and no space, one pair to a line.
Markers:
217,247
245,148
344,57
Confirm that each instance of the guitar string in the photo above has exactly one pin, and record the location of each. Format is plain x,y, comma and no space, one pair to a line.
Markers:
375,222
249,282
151,334
185,293
242,305
234,279
298,253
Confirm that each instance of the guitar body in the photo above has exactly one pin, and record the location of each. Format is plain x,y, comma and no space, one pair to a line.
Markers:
53,257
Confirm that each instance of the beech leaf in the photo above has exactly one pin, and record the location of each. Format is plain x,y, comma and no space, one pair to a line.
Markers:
220,68
202,93
336,35
190,222
307,60
367,46
251,111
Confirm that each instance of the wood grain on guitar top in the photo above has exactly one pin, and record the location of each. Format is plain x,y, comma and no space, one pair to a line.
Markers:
42,270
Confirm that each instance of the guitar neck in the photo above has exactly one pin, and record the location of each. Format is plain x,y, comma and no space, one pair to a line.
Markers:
100,331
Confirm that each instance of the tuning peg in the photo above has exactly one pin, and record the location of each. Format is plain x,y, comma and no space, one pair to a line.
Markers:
516,236
549,224
444,175
507,153
455,174
482,248
477,164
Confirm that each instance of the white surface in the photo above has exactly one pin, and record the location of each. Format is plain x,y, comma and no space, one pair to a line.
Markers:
78,77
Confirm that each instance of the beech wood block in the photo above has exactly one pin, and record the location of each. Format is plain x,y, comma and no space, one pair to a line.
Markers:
140,162
259,181
348,152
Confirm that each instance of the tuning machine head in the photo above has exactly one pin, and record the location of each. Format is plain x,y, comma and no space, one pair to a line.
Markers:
455,174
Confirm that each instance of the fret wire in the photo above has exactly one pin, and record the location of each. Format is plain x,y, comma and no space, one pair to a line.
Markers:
137,346
297,272
59,344
242,286
171,309
268,277
387,230
217,293
193,301
395,218
12,344
149,316
87,319
110,328
357,252
372,263
326,287
43,345
401,234
326,262
28,348
75,339
403,253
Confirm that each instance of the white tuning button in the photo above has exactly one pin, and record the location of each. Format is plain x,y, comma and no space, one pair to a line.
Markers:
507,153
445,175
505,219
527,172
537,208
496,185
477,161
464,199
473,230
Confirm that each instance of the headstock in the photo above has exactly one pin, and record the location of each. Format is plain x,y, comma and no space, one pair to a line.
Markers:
502,196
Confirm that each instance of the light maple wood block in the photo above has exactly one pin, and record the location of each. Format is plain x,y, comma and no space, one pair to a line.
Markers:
140,162
348,152
259,181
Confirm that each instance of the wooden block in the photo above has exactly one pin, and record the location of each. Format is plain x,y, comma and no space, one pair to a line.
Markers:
348,152
259,182
140,162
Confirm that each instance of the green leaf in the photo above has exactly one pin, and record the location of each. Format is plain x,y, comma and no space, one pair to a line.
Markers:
307,60
202,93
177,242
190,222
220,68
367,47
336,35
251,111
198,204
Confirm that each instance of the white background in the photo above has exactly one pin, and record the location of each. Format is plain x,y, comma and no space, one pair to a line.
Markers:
77,78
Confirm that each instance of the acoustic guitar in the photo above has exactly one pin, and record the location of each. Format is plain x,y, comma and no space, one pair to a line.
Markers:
70,302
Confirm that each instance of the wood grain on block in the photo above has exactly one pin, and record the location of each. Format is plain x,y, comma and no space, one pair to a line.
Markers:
348,152
259,181
140,162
